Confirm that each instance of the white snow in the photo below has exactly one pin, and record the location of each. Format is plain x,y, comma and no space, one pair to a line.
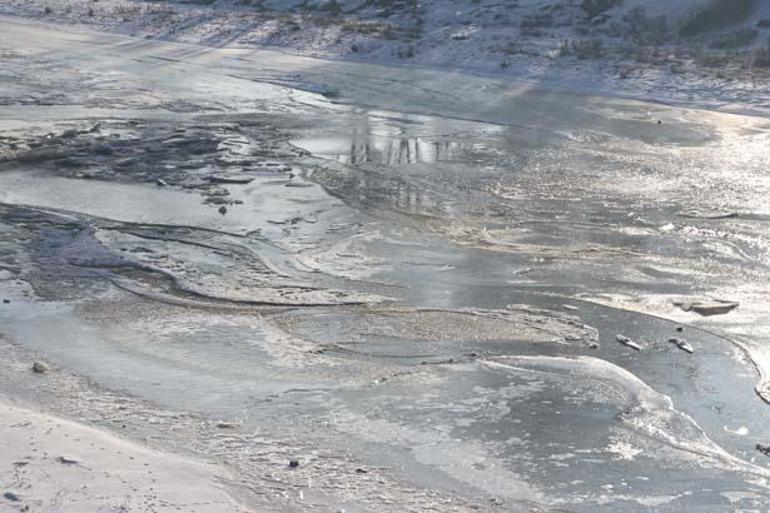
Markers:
537,41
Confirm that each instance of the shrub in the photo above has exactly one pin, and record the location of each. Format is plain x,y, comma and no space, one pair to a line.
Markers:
159,10
510,48
537,20
406,53
718,14
333,7
736,39
364,27
712,59
582,48
596,7
761,57
646,30
127,10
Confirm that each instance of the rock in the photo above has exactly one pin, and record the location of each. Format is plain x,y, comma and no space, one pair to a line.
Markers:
361,471
11,497
67,460
680,329
707,307
40,367
628,342
6,301
708,214
217,199
681,344
230,179
223,210
715,308
293,463
764,449
161,182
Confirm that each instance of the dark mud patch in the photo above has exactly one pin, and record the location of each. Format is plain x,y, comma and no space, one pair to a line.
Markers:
71,257
189,154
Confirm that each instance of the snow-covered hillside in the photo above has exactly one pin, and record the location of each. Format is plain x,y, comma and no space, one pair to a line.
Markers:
714,52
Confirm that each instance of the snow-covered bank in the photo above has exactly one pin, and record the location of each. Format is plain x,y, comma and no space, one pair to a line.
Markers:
637,48
53,464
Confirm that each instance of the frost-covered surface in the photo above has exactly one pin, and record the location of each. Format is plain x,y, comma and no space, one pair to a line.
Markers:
670,51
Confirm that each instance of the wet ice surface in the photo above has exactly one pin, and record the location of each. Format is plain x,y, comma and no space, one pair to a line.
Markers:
409,294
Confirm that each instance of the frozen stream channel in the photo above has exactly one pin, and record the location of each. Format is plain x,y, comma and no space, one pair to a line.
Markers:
435,292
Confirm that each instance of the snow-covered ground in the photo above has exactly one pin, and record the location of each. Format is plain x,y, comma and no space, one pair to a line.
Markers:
688,51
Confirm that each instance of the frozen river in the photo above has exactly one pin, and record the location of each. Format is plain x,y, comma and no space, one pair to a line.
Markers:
436,292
